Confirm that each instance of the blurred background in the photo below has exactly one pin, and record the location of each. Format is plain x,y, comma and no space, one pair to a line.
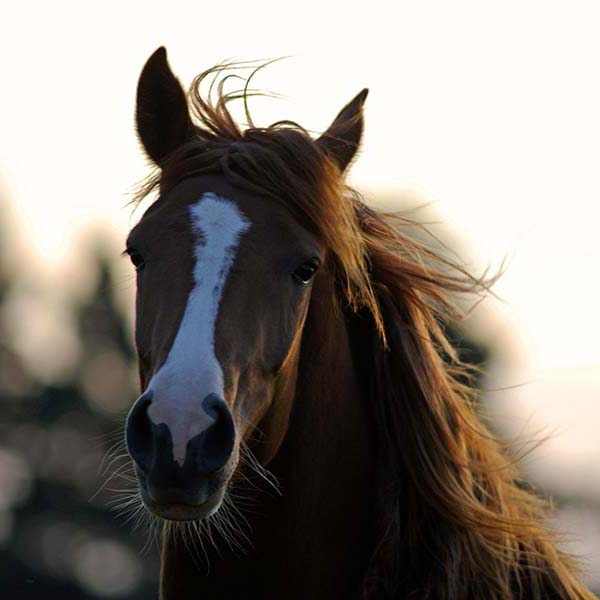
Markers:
485,112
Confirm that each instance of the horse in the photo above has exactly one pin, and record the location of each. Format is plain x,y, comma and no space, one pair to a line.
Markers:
305,429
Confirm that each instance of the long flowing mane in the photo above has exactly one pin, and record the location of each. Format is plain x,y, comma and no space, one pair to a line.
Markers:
454,519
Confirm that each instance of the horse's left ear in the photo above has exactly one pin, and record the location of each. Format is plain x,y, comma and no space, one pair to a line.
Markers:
342,139
162,115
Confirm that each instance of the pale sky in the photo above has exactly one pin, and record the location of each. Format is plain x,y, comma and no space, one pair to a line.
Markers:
489,109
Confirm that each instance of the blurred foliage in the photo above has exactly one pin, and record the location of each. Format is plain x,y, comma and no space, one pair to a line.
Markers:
59,537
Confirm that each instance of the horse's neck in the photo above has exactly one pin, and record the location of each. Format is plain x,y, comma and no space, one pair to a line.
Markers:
314,540
326,467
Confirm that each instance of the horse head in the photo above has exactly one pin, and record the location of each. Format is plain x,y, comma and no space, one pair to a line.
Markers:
226,261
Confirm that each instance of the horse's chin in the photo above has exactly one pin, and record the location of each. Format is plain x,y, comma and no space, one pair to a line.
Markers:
184,499
176,511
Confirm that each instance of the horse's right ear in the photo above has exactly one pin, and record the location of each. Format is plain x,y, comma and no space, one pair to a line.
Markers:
162,116
342,138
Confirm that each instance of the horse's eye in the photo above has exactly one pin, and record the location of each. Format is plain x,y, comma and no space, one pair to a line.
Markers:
136,258
304,273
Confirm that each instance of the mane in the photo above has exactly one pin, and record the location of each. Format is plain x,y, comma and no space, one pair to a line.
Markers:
454,519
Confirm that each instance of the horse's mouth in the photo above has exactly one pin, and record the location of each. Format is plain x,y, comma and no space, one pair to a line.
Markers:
184,512
177,505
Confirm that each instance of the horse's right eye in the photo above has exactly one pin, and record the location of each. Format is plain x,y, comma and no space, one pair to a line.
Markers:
137,259
304,273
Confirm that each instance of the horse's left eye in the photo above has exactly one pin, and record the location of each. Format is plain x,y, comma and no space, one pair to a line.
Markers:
304,273
136,258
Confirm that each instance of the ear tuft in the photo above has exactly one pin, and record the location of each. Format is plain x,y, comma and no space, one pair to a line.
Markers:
342,138
162,116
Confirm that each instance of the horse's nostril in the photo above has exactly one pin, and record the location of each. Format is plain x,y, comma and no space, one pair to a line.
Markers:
138,432
212,448
151,445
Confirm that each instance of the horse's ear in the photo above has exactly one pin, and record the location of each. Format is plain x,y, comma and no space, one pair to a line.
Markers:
343,137
162,116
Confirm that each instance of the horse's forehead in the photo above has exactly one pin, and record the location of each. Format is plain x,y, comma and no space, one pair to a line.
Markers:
273,222
173,210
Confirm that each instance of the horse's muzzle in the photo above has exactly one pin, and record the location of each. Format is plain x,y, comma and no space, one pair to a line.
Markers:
188,491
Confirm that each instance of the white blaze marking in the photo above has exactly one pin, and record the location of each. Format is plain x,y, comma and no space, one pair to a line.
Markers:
192,371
